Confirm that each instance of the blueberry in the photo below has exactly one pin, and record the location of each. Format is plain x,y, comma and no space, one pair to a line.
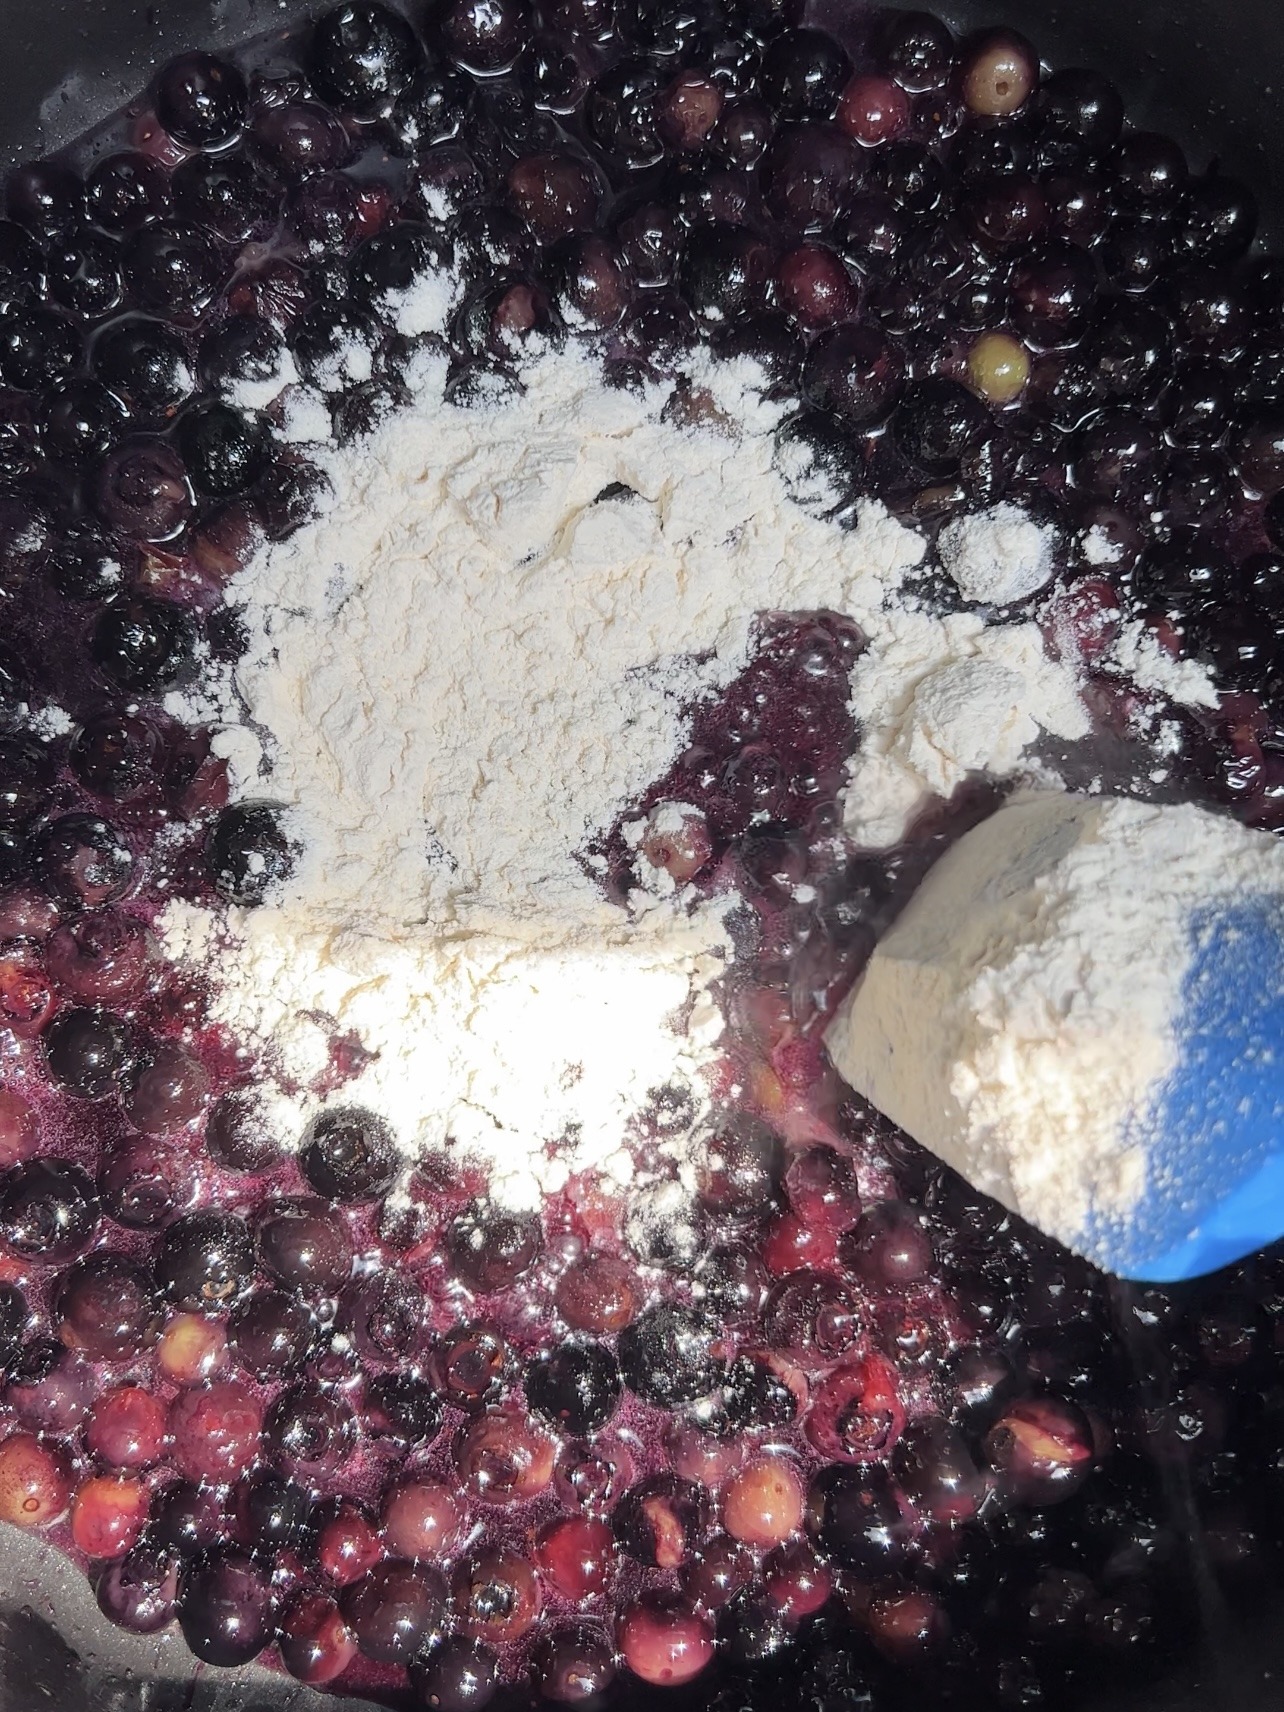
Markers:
204,1260
803,73
36,346
80,421
299,138
201,100
668,1355
393,261
659,1521
349,1155
45,197
916,49
853,1515
1197,404
460,1675
490,1248
144,362
305,1245
48,1210
1150,170
363,57
273,1514
402,1408
808,175
1081,105
324,342
272,1333
936,423
126,191
432,109
27,772
173,269
142,644
577,1387
236,1133
21,265
622,112
82,862
83,270
485,36
819,462
1218,219
225,195
89,1052
248,852
226,1607
723,273
853,373
225,450
243,348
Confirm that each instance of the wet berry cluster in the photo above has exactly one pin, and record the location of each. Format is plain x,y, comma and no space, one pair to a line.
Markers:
841,1435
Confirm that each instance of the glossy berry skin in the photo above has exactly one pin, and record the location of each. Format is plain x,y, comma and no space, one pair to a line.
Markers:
139,1592
80,421
143,490
502,1457
664,1645
84,274
201,100
107,1308
363,56
936,423
248,852
225,450
316,1644
395,1610
577,1387
48,1210
204,1260
226,1608
173,269
803,74
126,191
668,1355
304,1244
916,49
34,1482
458,1675
215,1431
348,1155
143,362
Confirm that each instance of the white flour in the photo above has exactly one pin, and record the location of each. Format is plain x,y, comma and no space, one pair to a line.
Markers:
939,698
487,646
997,556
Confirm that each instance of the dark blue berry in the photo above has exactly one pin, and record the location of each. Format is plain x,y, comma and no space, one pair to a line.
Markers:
201,100
46,197
402,1408
173,269
142,489
348,1155
226,1607
363,57
82,861
577,1387
204,1260
48,1210
853,1515
485,36
225,450
36,346
143,644
936,423
126,191
243,348
83,270
224,194
489,1248
669,1355
80,421
144,362
272,1513
248,852
803,73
